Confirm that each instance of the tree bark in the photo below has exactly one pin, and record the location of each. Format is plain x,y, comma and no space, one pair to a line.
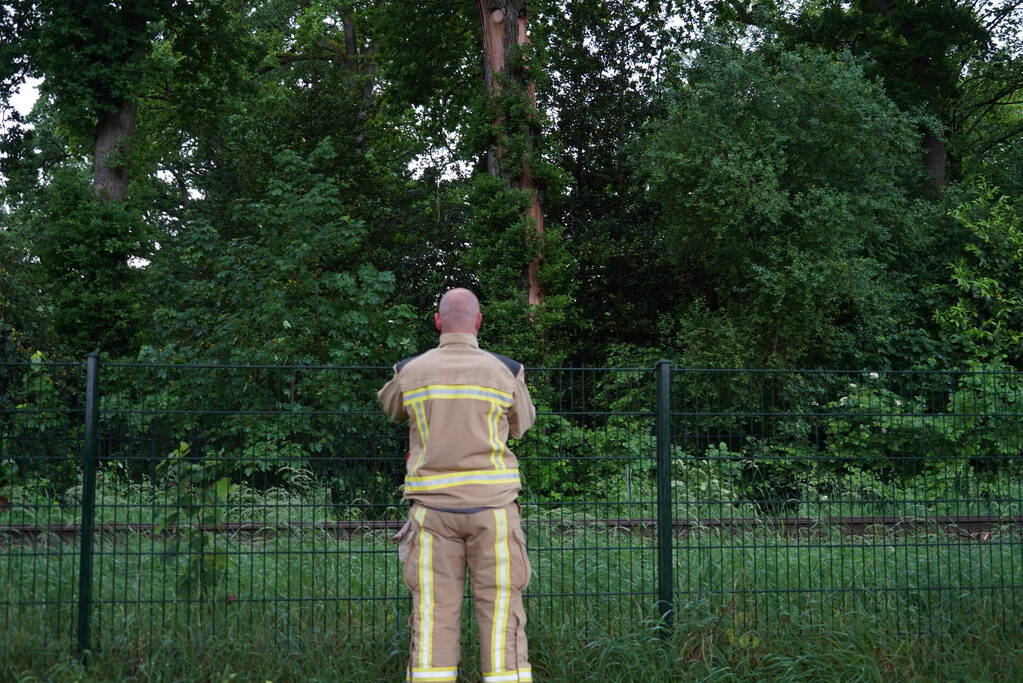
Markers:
503,27
111,145
935,153
935,158
934,149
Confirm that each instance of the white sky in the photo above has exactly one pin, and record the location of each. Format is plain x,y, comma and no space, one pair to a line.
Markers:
25,97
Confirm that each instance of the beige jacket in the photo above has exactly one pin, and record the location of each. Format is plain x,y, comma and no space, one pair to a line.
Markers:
462,404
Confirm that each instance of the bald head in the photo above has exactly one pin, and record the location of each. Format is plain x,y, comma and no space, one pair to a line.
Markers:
458,311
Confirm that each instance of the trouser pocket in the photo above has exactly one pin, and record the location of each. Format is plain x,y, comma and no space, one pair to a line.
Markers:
409,542
522,569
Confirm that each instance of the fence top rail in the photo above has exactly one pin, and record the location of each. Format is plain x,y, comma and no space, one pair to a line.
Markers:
45,363
381,368
825,371
260,366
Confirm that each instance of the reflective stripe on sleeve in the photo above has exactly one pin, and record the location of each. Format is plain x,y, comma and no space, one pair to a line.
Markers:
424,436
497,446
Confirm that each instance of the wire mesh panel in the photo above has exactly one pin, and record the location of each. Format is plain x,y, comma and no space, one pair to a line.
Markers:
812,497
588,469
261,499
254,495
241,500
41,425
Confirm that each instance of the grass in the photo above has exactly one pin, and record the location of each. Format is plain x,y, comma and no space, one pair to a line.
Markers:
863,651
309,605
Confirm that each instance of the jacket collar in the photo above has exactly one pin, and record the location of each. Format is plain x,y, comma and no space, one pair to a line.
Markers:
459,338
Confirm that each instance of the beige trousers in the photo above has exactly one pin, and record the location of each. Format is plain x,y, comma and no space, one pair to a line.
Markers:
435,547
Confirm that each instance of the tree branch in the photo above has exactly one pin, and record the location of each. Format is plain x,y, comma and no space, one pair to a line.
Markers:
286,58
882,6
743,14
1013,132
1000,15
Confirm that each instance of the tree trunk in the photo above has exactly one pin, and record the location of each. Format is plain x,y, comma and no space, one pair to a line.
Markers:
935,158
504,26
933,145
113,133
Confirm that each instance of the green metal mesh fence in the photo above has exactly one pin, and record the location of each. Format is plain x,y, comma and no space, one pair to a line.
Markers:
807,497
742,500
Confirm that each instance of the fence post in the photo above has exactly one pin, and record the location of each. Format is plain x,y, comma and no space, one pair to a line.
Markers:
89,453
665,573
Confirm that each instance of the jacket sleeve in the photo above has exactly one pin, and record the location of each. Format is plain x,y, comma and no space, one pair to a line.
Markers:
522,413
390,399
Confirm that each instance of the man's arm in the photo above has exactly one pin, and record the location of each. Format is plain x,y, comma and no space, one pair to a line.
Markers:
522,413
390,399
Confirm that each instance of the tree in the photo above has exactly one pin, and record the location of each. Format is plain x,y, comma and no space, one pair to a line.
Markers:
99,63
957,62
278,278
793,252
604,64
92,57
510,85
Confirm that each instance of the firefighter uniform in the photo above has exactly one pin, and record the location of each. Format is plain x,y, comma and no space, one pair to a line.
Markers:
462,480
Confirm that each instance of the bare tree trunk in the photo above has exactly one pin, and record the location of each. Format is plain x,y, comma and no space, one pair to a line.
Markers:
113,134
503,27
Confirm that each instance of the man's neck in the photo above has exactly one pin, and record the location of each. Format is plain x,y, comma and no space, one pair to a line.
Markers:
468,338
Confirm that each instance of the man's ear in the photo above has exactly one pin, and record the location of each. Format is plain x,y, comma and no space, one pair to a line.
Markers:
436,321
479,321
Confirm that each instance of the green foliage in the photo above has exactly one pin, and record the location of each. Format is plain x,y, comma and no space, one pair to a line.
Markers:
499,244
874,427
37,430
281,280
710,486
986,401
761,206
94,55
987,282
40,406
609,463
199,506
794,246
86,251
21,316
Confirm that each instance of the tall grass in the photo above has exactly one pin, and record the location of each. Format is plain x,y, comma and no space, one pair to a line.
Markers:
862,651
312,605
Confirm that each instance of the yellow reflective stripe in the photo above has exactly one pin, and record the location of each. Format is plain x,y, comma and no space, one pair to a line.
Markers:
514,676
495,445
425,590
424,436
458,387
440,481
503,583
467,473
455,391
501,446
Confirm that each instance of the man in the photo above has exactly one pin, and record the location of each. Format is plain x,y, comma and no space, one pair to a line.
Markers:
463,404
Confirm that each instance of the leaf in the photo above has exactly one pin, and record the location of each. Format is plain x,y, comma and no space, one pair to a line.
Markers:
169,519
222,489
748,640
